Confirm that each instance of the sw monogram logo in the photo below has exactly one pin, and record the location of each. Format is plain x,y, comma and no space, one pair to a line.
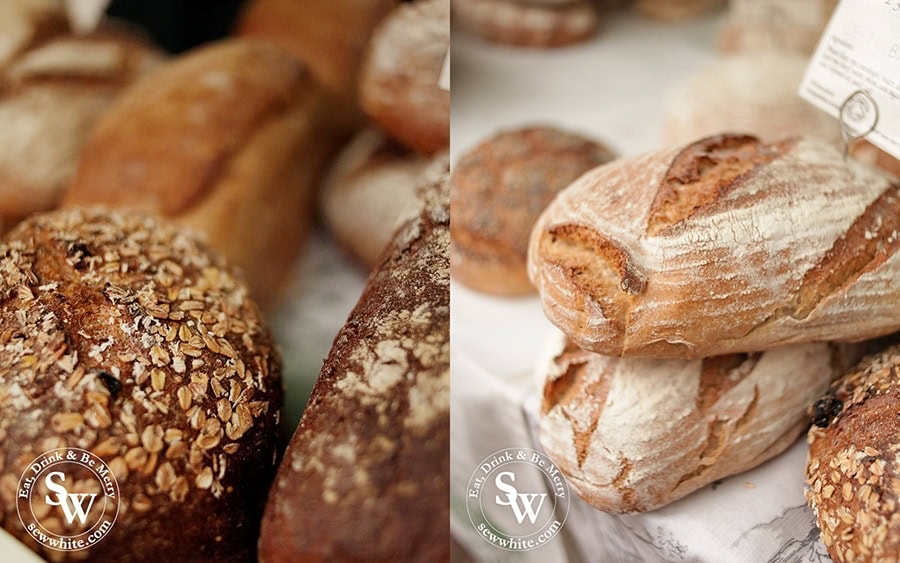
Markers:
72,503
522,504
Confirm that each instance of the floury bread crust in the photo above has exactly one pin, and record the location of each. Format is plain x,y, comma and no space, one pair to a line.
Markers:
634,434
124,336
366,475
724,245
529,24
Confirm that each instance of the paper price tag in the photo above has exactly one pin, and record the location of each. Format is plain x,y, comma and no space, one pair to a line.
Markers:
854,74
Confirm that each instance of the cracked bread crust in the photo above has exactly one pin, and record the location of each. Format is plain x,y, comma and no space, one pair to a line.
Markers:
366,475
725,245
634,434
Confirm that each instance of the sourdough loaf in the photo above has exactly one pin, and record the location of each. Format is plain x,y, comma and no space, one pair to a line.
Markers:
725,245
634,434
366,475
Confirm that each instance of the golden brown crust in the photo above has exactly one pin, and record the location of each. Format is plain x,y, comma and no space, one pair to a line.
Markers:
366,476
498,190
529,24
399,85
124,336
853,470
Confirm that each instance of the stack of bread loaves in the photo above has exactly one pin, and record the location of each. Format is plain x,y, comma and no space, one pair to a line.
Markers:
699,287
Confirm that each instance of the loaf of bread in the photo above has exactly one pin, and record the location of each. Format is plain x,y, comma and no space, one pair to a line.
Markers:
676,10
369,191
123,336
225,139
400,82
853,470
497,191
865,151
529,24
752,93
53,88
634,434
366,475
329,36
725,245
774,25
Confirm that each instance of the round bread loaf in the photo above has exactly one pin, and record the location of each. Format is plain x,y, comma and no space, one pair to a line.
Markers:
529,24
399,86
498,190
853,470
369,191
125,337
753,93
676,10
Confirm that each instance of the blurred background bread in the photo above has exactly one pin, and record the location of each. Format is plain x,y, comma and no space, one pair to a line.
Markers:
753,26
528,24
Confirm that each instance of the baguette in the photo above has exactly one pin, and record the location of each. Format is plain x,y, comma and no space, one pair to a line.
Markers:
634,434
366,475
725,245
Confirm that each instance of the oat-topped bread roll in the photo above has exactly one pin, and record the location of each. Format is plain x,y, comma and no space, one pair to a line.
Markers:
752,93
369,191
123,336
399,85
634,434
53,87
725,245
225,139
529,24
366,475
497,191
853,470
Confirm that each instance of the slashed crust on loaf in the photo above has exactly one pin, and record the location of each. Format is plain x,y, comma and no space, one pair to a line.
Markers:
853,469
634,434
725,245
124,336
372,449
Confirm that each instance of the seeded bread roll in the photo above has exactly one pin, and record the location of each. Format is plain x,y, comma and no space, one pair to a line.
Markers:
225,139
725,245
634,434
529,24
497,191
753,93
399,85
853,470
366,475
124,336
369,191
52,91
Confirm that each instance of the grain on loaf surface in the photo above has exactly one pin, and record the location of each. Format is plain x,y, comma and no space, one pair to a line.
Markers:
497,191
853,468
124,336
366,475
724,245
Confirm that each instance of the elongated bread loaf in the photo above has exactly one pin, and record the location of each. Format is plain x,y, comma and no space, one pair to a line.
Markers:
725,245
366,475
634,434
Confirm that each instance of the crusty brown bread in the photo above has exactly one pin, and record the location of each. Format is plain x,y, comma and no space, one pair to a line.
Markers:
634,434
366,475
497,191
400,82
122,335
52,91
528,24
226,140
853,470
725,245
368,192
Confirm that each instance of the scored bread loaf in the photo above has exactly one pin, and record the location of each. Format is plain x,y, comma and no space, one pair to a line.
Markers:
725,245
853,469
225,139
366,475
634,434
